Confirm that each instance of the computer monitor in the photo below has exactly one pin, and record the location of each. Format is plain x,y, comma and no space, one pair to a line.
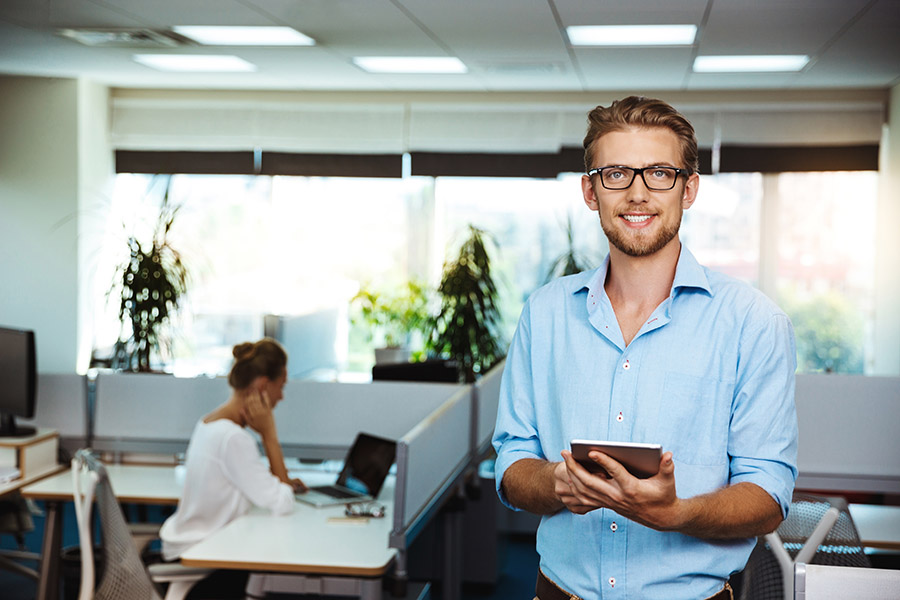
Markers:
18,380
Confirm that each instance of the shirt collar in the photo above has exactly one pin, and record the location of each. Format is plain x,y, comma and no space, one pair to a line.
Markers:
688,274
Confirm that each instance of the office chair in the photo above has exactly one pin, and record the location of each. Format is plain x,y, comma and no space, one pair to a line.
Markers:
830,582
15,519
124,575
817,530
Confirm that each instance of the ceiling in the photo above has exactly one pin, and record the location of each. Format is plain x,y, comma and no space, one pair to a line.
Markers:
507,45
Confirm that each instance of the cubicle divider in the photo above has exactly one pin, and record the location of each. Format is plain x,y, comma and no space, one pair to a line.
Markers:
61,404
319,420
849,437
151,413
486,399
430,458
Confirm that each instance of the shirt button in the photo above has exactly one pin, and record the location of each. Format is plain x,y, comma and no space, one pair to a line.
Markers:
620,417
614,526
626,365
612,582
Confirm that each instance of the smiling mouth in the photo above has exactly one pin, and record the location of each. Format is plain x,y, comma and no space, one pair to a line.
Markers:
636,218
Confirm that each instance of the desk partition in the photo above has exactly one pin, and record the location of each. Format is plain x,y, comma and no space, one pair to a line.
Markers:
430,459
849,433
486,398
61,404
151,413
320,420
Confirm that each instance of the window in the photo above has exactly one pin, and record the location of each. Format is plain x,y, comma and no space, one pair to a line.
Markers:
287,254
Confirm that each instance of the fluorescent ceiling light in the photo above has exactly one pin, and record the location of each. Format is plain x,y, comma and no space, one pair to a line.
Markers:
631,35
244,36
749,64
410,64
194,62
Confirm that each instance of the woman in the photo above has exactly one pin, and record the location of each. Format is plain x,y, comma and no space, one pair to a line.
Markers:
224,473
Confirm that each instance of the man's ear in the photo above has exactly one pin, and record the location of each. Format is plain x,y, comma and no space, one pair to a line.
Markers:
587,190
691,187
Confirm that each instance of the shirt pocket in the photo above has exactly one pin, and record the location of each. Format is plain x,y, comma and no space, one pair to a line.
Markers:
694,417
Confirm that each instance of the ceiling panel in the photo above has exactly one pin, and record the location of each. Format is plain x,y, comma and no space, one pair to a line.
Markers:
508,45
633,12
774,26
633,68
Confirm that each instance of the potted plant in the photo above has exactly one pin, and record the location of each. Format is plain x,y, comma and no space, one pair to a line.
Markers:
393,318
150,283
569,262
466,327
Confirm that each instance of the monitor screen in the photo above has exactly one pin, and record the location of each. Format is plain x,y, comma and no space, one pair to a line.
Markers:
18,380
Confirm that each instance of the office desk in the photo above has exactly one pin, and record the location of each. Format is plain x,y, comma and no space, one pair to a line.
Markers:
347,556
131,483
878,526
314,541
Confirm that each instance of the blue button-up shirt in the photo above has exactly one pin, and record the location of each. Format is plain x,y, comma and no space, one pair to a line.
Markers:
710,376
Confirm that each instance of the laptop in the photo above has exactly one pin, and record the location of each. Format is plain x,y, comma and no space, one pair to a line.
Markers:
365,469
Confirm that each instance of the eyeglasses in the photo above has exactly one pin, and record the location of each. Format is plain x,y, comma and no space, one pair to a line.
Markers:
658,179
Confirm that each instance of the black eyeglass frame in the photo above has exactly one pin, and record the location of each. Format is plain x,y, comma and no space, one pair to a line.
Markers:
634,172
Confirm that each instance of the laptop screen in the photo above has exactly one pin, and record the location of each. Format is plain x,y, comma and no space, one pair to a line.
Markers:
367,465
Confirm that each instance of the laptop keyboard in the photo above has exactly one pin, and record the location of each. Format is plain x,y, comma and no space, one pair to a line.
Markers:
335,492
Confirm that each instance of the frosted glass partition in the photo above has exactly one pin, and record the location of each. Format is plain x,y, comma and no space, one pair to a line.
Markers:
849,433
61,404
487,398
139,406
429,458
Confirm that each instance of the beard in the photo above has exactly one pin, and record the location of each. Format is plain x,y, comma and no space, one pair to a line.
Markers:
640,243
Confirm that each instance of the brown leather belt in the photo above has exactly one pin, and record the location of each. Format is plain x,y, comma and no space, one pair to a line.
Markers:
545,589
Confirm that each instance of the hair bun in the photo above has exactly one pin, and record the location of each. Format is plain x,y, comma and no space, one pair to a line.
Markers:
244,350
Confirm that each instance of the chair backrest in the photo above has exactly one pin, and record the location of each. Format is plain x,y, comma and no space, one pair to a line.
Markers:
831,582
123,573
817,530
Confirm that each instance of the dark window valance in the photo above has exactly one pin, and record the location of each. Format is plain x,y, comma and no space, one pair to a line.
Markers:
732,159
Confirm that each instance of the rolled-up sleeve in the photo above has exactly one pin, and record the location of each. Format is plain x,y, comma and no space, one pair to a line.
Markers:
762,442
515,433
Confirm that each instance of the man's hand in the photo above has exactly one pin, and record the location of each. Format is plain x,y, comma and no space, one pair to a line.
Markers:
651,502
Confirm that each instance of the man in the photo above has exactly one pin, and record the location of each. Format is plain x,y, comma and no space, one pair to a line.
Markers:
650,347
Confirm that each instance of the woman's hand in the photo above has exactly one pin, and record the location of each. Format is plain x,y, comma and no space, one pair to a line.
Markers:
299,486
257,411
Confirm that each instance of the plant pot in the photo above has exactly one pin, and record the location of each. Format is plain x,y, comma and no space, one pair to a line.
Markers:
391,355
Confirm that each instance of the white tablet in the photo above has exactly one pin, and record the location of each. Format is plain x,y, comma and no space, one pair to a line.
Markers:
641,460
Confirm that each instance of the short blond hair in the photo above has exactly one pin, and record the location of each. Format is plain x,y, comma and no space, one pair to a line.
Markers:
641,112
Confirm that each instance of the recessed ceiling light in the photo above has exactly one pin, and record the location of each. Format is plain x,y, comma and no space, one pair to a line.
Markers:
631,35
410,64
194,62
244,36
749,64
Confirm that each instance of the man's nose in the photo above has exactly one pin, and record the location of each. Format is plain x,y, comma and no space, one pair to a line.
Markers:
638,191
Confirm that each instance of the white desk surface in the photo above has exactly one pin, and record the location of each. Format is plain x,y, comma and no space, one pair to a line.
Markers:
131,483
310,540
878,526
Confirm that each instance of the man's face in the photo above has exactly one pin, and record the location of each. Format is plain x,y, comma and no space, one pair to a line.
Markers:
639,221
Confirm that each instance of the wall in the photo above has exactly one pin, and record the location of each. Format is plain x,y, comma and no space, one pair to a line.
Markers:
38,214
95,183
